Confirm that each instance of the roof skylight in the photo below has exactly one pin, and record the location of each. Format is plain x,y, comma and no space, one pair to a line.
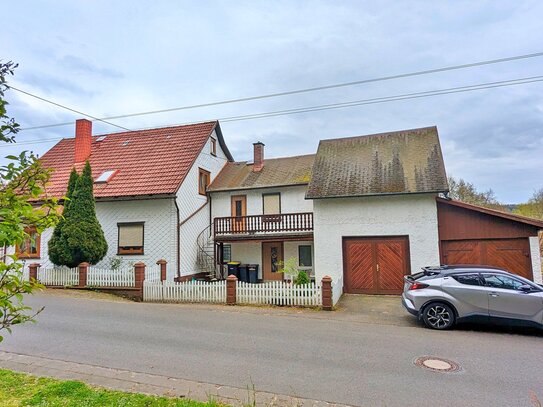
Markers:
101,138
104,177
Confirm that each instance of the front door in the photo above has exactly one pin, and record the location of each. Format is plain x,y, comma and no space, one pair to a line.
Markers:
272,260
239,211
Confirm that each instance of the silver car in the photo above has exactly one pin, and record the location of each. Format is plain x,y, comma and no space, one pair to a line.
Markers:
442,296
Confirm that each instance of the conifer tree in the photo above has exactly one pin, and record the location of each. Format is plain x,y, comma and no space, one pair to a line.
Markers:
55,246
81,237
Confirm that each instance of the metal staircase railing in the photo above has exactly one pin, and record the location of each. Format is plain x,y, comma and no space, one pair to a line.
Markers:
206,253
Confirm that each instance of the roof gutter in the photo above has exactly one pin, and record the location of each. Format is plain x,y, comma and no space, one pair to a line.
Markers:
376,194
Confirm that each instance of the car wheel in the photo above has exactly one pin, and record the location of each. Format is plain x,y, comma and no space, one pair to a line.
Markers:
438,316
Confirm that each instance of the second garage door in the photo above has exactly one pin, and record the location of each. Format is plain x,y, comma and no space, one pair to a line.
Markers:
375,265
509,254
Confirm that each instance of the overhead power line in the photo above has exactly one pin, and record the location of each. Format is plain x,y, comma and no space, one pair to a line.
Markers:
290,92
384,99
66,107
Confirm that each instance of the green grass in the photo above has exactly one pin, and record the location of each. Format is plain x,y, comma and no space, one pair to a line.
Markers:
19,389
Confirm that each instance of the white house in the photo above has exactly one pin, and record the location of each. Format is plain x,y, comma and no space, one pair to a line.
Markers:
150,190
363,210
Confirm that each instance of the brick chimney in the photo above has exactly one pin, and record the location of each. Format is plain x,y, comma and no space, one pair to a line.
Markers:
258,156
83,139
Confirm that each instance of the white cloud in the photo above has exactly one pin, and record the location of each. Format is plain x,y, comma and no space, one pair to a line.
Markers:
109,58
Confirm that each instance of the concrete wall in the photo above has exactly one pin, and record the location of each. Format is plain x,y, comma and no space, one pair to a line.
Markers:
412,215
189,201
535,252
292,200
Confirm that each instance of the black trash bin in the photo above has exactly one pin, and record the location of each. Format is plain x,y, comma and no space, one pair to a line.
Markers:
252,270
243,276
233,268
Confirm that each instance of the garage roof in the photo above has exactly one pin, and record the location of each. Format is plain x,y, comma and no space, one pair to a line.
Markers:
400,162
493,212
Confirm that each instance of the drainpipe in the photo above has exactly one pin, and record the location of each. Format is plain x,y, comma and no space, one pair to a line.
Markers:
178,241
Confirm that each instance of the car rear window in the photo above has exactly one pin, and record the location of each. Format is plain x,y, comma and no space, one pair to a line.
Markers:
468,279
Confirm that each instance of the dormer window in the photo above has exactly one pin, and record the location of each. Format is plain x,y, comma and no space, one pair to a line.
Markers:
213,145
105,177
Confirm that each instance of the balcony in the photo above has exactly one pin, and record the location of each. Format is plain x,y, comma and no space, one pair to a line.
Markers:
263,226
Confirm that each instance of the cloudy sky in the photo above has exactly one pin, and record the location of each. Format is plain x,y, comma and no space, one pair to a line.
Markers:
109,58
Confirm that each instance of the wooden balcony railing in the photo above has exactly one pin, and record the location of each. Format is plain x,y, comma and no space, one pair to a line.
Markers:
281,223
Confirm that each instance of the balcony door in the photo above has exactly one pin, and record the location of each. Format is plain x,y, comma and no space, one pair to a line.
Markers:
239,211
272,260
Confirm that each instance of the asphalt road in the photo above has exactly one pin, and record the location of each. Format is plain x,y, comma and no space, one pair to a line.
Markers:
325,356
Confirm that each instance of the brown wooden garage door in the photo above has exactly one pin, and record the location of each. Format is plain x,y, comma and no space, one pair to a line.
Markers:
509,254
375,265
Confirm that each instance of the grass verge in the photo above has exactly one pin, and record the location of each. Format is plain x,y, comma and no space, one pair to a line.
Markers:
19,389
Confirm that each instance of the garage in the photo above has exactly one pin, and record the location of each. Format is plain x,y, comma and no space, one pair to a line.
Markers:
510,254
470,234
375,265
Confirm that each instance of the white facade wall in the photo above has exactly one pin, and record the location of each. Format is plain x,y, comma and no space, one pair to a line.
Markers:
411,215
189,201
292,200
535,253
159,217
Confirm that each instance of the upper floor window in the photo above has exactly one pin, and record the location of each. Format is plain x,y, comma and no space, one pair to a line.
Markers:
130,238
271,204
30,247
203,181
213,145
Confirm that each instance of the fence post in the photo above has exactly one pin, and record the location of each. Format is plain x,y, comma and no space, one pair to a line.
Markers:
83,269
231,282
33,271
139,277
327,301
162,263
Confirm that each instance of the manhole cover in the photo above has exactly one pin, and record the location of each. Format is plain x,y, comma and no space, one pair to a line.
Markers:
437,364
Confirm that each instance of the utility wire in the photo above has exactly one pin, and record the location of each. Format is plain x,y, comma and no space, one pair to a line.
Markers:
65,107
405,96
291,92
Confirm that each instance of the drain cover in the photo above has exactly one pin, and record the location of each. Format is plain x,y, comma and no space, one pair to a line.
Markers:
437,364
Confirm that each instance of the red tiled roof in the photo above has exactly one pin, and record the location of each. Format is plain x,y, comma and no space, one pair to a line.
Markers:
153,162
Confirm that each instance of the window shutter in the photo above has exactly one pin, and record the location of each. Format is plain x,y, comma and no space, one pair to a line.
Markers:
131,236
272,204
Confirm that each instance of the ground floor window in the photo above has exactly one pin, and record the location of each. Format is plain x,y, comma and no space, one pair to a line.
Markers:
226,253
130,238
305,257
30,247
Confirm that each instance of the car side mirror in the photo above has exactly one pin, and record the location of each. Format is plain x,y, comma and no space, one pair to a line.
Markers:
526,288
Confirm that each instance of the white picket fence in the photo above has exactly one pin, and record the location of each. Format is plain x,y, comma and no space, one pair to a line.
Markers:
58,276
97,277
189,291
152,273
279,293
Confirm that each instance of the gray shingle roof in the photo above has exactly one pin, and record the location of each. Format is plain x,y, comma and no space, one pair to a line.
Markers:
401,162
276,172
